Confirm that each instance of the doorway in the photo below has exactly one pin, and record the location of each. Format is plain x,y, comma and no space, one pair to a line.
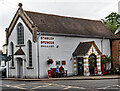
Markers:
103,64
80,66
92,64
20,67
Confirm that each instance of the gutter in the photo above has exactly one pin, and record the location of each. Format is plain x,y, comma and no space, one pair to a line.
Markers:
76,35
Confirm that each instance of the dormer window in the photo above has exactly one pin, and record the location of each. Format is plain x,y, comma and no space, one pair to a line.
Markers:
20,33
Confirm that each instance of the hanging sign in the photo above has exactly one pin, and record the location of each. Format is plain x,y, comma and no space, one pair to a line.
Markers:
47,42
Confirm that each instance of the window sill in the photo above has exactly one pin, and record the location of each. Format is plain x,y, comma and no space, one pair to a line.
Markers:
20,45
30,67
12,67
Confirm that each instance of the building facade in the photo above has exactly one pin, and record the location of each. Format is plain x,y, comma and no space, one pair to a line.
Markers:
116,45
76,44
116,50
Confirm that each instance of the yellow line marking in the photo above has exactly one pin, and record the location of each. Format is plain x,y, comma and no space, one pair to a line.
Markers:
14,86
20,85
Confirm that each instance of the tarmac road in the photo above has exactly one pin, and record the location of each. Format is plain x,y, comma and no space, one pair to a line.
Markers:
63,85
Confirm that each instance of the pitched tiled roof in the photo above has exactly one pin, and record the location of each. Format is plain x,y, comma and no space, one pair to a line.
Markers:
82,48
48,23
19,52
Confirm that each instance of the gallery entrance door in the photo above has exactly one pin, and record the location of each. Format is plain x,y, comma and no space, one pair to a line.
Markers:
80,65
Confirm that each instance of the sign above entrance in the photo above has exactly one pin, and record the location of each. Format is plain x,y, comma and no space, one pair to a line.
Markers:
47,42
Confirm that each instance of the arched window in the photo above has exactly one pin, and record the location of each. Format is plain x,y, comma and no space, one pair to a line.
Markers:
12,52
30,53
20,33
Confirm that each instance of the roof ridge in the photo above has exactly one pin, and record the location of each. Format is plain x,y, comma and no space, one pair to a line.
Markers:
88,42
63,16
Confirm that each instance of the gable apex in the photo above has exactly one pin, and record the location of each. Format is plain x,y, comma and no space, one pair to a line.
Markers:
95,49
20,14
84,48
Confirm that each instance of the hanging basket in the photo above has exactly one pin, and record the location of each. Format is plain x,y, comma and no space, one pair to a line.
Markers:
49,61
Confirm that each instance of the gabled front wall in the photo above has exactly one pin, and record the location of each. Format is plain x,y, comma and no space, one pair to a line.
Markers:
27,36
66,46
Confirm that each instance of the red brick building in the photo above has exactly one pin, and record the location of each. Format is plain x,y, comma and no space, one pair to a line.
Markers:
116,50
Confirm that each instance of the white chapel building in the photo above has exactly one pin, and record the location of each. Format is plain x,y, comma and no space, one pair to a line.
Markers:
32,38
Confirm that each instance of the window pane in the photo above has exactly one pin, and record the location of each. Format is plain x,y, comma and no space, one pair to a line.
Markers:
30,53
20,33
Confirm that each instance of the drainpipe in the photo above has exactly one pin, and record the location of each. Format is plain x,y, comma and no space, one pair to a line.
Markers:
111,51
102,45
111,47
38,54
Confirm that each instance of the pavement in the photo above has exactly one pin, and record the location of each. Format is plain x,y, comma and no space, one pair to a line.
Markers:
68,78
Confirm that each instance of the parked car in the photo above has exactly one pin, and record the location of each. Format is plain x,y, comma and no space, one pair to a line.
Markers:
3,72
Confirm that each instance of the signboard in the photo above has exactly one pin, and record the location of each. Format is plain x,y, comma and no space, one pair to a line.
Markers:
47,42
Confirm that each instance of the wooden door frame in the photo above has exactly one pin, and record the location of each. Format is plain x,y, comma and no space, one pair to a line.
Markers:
19,67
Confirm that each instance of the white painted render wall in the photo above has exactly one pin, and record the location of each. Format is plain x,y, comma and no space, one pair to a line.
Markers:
27,36
67,46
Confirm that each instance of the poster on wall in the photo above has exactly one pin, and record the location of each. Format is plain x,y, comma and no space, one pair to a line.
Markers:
47,42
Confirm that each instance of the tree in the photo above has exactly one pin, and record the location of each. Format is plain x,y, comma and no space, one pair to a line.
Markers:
112,21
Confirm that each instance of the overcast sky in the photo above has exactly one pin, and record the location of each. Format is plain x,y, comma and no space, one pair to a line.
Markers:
90,9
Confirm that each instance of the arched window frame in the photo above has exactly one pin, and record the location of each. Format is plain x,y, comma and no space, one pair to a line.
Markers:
30,53
95,63
12,53
20,33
